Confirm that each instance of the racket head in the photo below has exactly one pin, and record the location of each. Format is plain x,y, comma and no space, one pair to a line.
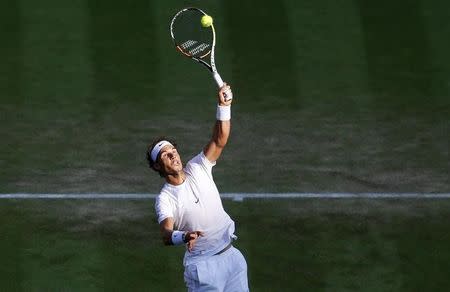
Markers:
191,38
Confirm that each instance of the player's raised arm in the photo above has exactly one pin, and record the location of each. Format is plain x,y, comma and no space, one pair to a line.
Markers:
222,127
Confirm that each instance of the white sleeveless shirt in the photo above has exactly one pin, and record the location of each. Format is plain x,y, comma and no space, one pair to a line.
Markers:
195,205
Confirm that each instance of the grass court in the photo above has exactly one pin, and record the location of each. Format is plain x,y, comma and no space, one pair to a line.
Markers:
329,97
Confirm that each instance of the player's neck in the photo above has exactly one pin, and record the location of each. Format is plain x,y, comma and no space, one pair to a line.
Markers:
176,179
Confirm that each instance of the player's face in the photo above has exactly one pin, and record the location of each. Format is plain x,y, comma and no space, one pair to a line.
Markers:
170,160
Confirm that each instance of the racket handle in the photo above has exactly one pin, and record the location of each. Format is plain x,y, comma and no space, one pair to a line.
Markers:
218,79
228,94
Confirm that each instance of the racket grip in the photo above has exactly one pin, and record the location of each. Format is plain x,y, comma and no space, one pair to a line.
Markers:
228,95
218,79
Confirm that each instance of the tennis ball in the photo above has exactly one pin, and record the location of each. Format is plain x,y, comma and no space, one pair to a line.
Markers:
206,21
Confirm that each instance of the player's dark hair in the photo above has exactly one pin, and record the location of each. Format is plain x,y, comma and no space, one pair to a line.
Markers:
150,162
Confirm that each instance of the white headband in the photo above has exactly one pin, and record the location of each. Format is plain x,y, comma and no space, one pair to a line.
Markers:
155,151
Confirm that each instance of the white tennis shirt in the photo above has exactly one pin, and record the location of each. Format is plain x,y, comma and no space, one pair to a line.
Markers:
195,205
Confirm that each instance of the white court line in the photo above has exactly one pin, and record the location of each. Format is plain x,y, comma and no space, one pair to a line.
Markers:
238,196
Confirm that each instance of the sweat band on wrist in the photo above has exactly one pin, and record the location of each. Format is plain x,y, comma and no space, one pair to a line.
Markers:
177,237
223,113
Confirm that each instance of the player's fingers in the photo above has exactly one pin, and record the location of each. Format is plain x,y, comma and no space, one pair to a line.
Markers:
226,101
224,96
192,235
190,244
222,92
224,88
195,235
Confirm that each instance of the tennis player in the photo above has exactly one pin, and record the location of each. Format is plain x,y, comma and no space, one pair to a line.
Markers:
190,212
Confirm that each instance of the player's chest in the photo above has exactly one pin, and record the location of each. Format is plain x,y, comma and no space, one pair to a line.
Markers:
196,198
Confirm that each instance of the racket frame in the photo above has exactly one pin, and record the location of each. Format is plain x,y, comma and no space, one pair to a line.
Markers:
211,67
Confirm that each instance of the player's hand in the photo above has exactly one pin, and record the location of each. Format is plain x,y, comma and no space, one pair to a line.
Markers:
191,237
223,90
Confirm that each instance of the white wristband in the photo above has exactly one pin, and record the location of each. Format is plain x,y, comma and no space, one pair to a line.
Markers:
223,113
177,237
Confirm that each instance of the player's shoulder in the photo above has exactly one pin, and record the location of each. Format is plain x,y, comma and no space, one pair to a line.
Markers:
196,159
167,193
200,160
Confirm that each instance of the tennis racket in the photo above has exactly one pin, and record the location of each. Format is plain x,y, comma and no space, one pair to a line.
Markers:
195,41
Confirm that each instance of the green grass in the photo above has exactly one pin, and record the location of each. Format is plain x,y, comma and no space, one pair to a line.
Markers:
290,245
328,96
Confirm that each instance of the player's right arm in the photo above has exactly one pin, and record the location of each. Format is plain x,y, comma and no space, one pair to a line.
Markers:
166,227
221,130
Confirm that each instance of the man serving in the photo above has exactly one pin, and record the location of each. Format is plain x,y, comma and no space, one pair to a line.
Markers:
189,210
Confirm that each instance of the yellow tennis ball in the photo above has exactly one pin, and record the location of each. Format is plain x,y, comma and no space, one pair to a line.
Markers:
206,21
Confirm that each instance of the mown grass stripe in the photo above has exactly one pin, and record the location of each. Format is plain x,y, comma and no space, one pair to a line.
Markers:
56,60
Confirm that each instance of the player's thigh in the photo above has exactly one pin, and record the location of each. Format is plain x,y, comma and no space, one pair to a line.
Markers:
238,280
239,261
202,277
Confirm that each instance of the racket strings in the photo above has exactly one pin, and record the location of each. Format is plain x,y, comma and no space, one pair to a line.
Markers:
190,37
198,49
187,44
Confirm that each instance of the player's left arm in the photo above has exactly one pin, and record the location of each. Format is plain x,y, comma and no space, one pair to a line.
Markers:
222,127
189,237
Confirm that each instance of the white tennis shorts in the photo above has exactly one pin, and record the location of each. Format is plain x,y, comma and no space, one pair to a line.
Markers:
225,272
